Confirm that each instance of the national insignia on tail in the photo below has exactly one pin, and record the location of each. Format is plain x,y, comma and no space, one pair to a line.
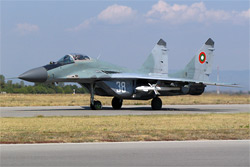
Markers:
202,57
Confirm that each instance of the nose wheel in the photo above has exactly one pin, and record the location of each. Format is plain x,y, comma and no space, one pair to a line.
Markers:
117,103
156,103
94,105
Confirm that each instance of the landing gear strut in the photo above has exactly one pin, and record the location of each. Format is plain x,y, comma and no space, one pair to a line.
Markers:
156,103
94,105
117,103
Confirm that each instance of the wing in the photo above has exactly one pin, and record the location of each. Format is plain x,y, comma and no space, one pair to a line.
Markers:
93,76
167,79
98,76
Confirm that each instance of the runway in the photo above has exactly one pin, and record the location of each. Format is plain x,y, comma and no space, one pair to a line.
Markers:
173,153
126,110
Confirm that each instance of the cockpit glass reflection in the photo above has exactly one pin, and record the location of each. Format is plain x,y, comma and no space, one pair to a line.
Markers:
72,58
81,57
66,60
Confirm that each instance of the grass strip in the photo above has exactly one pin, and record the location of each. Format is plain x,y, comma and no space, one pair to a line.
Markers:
125,128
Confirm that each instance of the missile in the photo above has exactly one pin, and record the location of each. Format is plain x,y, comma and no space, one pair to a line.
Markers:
155,88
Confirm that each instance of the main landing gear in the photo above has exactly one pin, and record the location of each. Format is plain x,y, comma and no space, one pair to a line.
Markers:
117,103
94,105
156,103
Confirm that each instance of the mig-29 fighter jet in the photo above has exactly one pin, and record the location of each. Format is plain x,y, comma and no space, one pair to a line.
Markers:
151,81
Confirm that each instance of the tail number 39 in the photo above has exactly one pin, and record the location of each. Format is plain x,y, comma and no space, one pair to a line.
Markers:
121,87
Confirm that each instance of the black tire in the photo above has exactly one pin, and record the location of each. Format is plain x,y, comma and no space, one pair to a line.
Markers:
92,107
117,103
156,103
97,105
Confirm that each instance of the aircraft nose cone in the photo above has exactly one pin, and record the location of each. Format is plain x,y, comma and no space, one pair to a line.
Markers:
35,75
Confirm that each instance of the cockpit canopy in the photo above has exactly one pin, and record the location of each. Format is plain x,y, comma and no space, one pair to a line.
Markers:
71,58
80,57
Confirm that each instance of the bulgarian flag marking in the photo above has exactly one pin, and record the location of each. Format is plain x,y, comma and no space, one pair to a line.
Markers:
202,57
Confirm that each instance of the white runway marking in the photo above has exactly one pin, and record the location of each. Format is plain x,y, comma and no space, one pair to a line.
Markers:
132,142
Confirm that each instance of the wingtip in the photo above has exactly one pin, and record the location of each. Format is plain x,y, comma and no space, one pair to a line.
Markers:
210,42
162,42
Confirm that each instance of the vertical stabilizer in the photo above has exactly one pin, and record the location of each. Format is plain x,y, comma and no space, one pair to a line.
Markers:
157,61
200,67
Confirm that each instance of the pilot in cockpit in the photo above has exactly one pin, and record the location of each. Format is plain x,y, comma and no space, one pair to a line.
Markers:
80,57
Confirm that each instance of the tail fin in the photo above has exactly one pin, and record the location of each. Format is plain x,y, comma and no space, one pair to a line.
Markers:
200,67
157,61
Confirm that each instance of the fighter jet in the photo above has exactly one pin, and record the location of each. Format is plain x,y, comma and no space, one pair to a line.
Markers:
150,81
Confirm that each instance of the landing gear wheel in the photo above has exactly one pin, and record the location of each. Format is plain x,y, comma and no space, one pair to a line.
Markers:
156,103
117,103
92,107
97,105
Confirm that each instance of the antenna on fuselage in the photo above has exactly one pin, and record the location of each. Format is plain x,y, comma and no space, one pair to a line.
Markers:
99,55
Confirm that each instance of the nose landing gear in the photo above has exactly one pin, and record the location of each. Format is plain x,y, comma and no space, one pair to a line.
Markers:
94,105
97,105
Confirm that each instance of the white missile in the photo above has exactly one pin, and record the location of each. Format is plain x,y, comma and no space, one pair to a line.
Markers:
155,88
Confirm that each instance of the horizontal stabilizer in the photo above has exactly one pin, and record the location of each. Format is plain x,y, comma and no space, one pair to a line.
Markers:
223,84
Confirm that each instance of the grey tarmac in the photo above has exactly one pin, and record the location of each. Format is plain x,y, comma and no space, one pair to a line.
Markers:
170,153
126,110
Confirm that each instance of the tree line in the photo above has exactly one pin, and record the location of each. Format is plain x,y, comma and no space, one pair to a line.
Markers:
38,88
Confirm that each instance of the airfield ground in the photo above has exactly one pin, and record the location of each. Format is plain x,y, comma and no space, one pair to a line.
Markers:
10,100
43,129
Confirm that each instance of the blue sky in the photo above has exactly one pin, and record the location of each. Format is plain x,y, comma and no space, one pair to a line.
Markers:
33,33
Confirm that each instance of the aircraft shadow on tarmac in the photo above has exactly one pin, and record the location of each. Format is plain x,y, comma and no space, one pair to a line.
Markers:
139,108
163,109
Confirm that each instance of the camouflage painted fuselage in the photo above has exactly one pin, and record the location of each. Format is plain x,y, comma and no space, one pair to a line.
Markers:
151,80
